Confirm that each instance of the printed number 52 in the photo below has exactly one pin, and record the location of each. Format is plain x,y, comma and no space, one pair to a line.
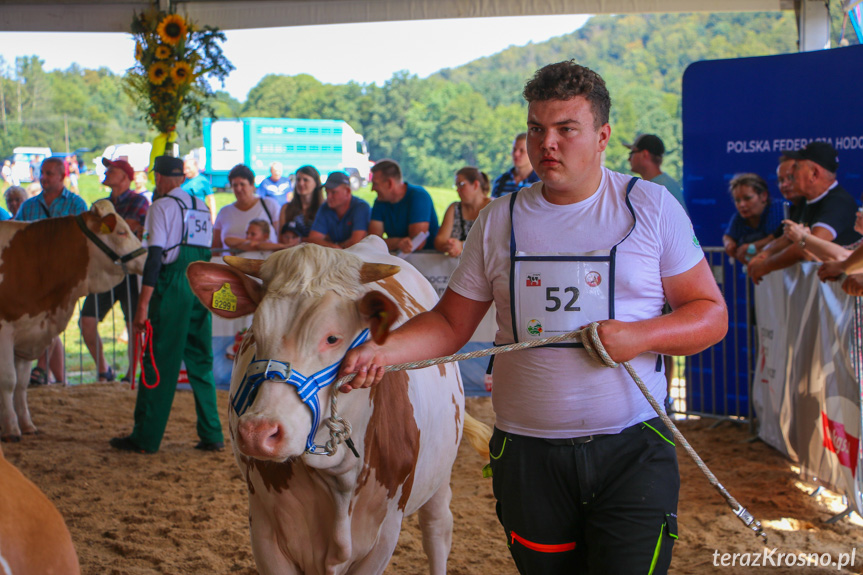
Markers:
555,301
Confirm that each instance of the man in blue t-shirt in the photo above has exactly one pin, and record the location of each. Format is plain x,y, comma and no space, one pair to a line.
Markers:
198,185
275,186
402,211
344,219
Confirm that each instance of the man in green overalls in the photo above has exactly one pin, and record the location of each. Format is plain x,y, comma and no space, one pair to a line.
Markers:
178,232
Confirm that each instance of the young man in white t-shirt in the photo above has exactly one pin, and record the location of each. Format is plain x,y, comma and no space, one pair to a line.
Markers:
584,473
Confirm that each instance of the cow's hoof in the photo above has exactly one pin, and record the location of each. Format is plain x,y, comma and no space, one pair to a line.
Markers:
10,438
33,431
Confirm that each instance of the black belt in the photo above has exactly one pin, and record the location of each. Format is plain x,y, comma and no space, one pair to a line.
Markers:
588,438
575,440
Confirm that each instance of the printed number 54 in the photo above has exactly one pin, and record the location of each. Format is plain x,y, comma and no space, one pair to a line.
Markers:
555,301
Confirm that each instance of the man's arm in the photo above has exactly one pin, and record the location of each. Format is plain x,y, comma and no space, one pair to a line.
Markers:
442,331
356,237
786,257
406,244
320,239
152,268
211,201
142,310
699,319
376,227
853,264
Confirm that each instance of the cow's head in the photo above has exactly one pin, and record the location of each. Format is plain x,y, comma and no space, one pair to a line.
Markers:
110,229
309,306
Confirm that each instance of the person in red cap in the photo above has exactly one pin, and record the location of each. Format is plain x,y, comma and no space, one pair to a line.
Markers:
132,207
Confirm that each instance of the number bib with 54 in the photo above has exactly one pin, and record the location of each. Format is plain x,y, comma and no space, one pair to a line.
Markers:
561,294
199,228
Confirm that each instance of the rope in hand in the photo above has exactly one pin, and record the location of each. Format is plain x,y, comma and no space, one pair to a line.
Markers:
142,339
593,345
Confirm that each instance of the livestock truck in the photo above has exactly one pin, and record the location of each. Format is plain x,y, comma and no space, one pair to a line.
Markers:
328,145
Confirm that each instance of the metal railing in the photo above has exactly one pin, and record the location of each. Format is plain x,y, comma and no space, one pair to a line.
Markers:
717,382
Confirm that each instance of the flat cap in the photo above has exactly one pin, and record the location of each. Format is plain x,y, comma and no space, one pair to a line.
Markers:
168,166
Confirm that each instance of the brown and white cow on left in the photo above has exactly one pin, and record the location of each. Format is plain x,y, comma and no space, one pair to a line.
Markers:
45,267
34,539
339,514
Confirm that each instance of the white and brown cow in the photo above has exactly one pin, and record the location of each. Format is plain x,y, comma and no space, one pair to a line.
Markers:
336,514
34,539
45,267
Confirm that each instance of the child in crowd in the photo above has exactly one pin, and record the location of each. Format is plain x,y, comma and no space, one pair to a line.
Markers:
289,236
257,236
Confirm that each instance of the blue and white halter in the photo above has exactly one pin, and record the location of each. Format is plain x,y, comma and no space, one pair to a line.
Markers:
261,370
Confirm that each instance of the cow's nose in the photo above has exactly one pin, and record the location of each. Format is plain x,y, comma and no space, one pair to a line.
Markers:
262,438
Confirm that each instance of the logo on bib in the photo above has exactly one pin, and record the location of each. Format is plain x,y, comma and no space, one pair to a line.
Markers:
534,327
593,279
533,280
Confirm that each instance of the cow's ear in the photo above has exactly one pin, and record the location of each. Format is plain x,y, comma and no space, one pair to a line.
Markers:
224,291
108,224
373,272
382,313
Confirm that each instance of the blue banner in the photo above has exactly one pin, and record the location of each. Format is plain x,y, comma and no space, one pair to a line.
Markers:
738,116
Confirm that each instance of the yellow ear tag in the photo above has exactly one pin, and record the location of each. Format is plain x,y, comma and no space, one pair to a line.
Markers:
224,299
105,229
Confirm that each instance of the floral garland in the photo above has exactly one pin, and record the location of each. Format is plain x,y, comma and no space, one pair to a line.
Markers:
174,62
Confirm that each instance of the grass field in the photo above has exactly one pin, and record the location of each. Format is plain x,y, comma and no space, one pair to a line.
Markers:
80,367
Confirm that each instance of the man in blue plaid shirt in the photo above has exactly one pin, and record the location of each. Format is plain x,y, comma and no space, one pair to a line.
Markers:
55,200
520,175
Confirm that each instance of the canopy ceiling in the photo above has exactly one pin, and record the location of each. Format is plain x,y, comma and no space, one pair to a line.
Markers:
114,16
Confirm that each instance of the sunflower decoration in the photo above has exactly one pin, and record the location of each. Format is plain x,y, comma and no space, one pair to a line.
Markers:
162,52
157,73
172,29
181,73
175,62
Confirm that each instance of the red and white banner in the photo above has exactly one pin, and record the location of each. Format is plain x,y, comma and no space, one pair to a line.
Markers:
806,391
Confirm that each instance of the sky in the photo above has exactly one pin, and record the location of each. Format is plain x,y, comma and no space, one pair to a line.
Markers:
334,54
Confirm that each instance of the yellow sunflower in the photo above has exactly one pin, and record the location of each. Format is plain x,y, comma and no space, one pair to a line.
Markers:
162,52
158,73
172,29
181,73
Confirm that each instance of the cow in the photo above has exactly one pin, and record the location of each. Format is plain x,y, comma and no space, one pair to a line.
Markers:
45,267
312,513
34,539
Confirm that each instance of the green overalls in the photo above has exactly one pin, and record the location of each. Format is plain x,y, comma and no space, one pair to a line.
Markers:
182,331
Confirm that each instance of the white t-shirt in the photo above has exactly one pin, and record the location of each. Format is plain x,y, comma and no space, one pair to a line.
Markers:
233,221
561,392
164,223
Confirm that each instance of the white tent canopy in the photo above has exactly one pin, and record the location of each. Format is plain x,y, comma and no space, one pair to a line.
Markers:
114,16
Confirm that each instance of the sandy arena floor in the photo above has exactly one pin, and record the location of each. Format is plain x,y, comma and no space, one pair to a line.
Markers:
182,511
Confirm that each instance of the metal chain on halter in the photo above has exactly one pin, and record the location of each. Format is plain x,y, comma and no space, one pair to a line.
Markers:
593,346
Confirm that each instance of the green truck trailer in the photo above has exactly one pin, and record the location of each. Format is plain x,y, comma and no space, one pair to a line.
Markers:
328,145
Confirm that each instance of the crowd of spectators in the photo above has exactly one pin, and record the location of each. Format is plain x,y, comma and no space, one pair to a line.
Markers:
821,220
816,219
